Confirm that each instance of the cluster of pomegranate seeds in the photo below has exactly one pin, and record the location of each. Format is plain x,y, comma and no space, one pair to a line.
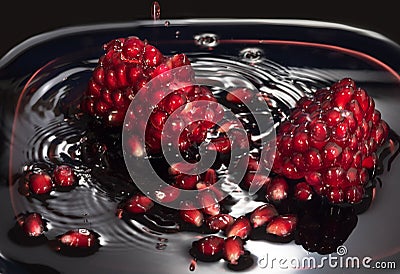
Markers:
331,140
196,117
326,150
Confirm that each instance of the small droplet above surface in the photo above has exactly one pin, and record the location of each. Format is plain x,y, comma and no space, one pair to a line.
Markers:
167,23
155,11
251,54
208,40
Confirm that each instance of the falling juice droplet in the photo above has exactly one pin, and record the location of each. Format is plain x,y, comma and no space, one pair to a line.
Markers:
167,23
177,33
192,265
155,11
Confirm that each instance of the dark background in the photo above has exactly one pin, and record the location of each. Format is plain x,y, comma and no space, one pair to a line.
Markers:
20,20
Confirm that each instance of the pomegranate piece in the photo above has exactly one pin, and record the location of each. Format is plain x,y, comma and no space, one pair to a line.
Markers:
282,225
208,248
233,249
63,176
32,224
40,183
138,204
330,141
263,214
79,238
241,227
191,215
219,222
277,189
303,191
209,202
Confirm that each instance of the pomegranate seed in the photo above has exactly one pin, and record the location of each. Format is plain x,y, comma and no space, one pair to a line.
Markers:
303,192
33,225
40,183
209,246
80,238
233,249
277,189
255,179
187,182
354,194
262,215
282,226
209,202
335,195
241,227
64,175
138,204
191,215
219,222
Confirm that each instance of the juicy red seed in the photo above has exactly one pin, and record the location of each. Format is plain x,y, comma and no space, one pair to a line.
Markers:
64,175
334,176
241,227
331,152
158,119
282,225
319,130
313,159
277,189
40,183
173,101
33,225
263,214
303,191
343,96
134,74
210,177
167,194
255,179
300,141
101,108
219,222
369,162
80,238
332,117
152,56
335,195
209,202
233,249
210,245
352,176
355,108
138,204
133,48
313,178
363,99
187,182
354,194
191,215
